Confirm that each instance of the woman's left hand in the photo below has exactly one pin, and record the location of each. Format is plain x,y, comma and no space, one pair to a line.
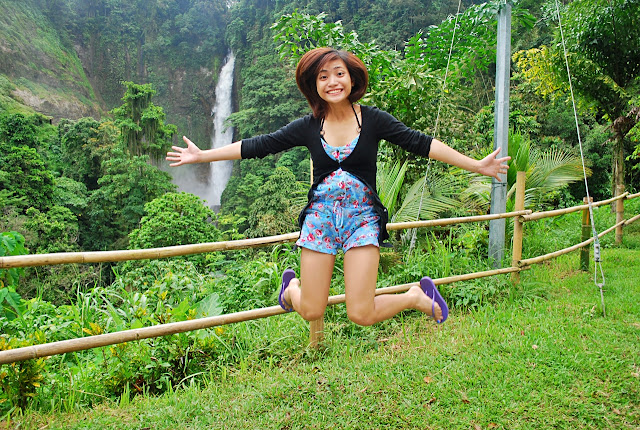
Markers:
492,166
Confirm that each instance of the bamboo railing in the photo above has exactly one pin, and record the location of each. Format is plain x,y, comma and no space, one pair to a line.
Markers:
200,248
549,214
100,340
79,344
541,258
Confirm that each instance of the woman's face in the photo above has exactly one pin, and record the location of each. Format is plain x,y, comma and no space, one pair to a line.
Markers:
334,82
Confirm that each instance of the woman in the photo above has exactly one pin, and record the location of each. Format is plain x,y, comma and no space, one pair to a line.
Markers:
344,210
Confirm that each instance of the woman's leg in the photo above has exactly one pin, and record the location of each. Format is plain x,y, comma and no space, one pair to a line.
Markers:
316,269
363,306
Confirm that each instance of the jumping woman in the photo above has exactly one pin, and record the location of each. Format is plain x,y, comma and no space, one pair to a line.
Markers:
343,210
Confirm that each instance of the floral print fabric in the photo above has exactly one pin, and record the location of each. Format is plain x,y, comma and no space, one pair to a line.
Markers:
341,214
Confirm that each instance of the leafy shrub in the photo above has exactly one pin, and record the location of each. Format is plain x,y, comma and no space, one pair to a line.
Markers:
11,243
20,380
280,200
473,294
175,219
250,279
56,230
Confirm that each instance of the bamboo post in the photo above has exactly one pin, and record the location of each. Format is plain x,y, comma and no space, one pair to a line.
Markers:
619,214
517,225
586,233
316,332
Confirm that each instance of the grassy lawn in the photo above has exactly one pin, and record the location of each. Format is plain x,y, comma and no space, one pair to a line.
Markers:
544,357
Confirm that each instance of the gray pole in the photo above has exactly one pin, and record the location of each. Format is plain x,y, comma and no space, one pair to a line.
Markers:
501,134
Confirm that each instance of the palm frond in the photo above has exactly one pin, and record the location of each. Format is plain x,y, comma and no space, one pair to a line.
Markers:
477,195
440,195
389,181
547,172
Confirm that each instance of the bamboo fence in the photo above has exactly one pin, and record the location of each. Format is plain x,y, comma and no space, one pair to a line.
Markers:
541,258
100,340
84,343
200,248
557,212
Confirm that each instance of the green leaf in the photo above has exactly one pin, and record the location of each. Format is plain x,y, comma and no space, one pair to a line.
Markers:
15,302
210,306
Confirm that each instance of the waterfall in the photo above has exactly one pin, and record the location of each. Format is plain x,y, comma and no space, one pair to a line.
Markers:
220,171
207,181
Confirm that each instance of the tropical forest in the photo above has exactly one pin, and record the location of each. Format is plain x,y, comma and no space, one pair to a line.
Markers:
94,221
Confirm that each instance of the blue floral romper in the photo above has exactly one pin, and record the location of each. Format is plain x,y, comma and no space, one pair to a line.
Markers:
341,213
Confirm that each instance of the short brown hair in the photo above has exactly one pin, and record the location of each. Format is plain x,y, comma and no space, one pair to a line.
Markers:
310,65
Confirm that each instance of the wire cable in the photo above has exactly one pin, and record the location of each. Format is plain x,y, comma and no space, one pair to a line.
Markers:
596,241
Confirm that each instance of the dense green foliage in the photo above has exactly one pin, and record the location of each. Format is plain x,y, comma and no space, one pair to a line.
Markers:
141,122
601,47
23,173
174,219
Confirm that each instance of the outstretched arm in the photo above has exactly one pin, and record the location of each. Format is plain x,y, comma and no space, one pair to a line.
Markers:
489,165
193,154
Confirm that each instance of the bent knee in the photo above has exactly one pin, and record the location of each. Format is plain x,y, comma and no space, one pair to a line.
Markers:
361,317
311,314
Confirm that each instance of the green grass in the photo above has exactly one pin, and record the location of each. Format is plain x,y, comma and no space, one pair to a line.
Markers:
544,357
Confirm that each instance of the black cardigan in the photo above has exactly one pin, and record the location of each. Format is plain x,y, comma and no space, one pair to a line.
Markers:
361,163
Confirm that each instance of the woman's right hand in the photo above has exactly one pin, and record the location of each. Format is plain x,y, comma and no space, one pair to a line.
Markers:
188,155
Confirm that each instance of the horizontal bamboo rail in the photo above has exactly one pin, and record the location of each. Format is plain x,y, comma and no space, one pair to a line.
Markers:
448,221
140,254
632,220
96,341
555,254
633,196
199,248
549,214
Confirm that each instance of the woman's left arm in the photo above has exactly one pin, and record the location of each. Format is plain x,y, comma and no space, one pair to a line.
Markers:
489,165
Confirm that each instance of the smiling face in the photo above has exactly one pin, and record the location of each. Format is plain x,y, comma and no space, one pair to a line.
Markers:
333,82
326,76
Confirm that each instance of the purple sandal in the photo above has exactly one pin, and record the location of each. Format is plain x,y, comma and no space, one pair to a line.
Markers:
432,292
287,276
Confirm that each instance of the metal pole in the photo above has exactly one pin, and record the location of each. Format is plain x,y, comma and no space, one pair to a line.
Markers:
501,133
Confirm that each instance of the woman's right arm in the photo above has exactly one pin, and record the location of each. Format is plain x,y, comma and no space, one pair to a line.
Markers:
193,154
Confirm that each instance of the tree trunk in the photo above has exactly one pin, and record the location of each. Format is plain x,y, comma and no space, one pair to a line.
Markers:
621,127
618,166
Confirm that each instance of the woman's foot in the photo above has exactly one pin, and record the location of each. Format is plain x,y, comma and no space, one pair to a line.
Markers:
295,282
284,298
423,303
431,291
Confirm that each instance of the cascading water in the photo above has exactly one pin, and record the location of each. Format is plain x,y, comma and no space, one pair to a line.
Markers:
208,181
220,171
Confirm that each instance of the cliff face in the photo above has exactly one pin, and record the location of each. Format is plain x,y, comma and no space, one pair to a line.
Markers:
187,94
40,70
73,67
